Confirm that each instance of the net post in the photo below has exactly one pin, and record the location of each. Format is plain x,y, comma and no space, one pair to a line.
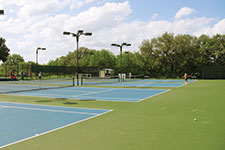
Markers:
81,81
73,81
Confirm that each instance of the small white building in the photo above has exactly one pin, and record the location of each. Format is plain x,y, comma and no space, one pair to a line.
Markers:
106,72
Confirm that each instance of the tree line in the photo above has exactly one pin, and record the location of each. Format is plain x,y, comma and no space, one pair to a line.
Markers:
164,56
168,56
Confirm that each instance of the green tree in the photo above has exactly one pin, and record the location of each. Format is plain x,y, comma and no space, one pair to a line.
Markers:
14,59
218,48
14,63
4,50
186,54
105,59
164,52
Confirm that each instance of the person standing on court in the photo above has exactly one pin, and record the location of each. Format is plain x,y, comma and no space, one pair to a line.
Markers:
11,74
39,75
21,75
185,78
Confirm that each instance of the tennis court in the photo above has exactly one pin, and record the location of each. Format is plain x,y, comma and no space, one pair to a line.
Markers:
93,93
21,122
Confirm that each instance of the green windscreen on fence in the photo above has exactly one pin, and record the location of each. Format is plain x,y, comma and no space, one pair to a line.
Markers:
213,72
64,70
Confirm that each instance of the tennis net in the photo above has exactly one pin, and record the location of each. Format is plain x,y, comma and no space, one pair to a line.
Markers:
110,79
33,85
134,78
99,80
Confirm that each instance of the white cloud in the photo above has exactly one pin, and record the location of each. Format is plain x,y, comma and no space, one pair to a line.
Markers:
218,28
43,26
185,11
80,3
37,8
97,18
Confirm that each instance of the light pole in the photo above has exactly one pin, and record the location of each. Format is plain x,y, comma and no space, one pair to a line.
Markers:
121,49
1,12
77,35
39,48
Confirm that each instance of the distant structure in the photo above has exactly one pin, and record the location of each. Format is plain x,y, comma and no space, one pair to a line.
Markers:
106,72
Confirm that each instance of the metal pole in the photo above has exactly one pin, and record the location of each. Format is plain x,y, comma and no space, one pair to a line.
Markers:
128,62
37,56
77,36
121,59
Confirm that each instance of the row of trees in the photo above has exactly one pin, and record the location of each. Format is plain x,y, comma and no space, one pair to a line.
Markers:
164,56
171,55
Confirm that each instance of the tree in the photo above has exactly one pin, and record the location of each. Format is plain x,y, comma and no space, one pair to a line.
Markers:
14,63
218,48
14,59
186,54
105,59
4,50
164,52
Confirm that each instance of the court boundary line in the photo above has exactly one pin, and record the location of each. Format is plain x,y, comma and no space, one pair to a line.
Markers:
51,105
43,96
165,86
106,90
40,109
111,98
110,110
187,83
155,95
75,97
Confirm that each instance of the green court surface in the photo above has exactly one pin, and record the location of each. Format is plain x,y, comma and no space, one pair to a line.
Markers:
190,117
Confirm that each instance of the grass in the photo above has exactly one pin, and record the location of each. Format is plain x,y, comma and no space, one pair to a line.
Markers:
164,122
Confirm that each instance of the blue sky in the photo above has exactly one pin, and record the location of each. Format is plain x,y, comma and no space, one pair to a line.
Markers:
28,24
167,8
143,9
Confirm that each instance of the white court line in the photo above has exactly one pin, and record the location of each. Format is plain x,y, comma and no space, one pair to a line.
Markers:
154,95
93,92
51,96
144,84
51,106
60,95
116,98
188,83
55,129
39,109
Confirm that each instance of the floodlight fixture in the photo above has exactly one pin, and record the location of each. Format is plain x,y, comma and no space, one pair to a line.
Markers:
1,12
117,45
80,31
88,34
66,33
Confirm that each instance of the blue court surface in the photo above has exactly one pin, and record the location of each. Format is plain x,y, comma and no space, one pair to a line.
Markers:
93,93
21,122
18,87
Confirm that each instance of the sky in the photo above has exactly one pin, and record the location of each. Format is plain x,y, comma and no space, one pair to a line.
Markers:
28,24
